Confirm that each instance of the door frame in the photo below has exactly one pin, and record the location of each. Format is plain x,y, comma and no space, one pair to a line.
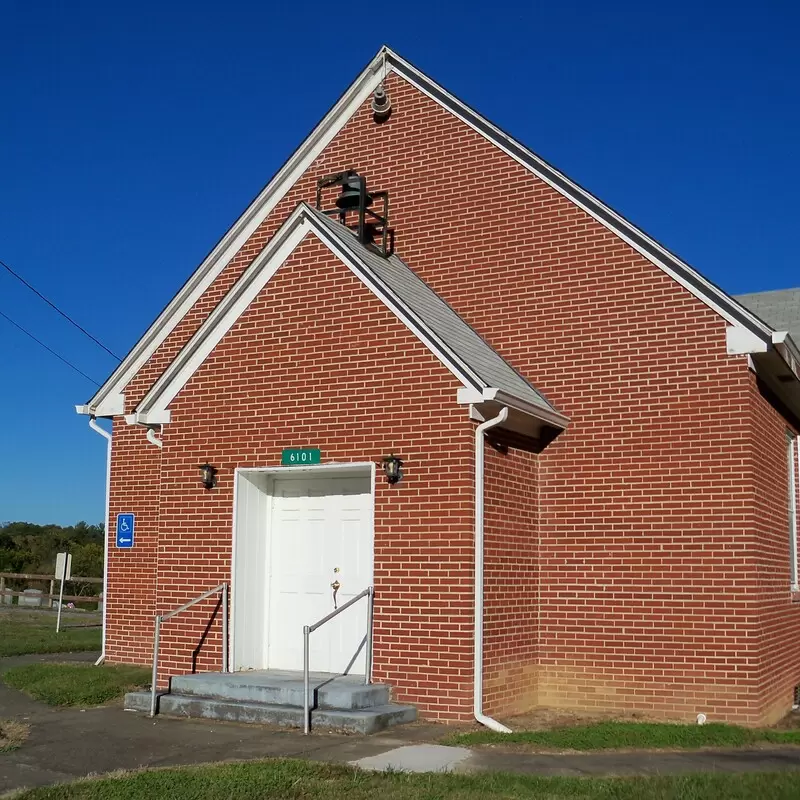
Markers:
324,471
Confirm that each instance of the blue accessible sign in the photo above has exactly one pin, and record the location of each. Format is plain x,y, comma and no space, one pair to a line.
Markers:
125,527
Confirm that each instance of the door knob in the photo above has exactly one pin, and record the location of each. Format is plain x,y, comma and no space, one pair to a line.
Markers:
335,586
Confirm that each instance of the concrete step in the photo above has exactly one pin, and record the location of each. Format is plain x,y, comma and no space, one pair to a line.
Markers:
363,720
279,688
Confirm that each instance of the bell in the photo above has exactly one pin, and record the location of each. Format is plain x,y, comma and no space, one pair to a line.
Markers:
351,193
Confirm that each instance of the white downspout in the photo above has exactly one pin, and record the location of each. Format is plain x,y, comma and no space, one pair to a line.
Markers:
95,427
479,480
151,437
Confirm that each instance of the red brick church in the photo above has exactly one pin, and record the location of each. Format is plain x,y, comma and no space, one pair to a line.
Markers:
424,360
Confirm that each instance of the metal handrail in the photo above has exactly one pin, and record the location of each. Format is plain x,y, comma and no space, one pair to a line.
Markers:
223,587
309,629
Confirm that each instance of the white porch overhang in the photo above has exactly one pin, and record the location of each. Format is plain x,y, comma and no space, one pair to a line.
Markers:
776,362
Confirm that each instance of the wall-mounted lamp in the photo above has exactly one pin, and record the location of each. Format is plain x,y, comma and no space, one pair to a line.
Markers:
393,467
208,475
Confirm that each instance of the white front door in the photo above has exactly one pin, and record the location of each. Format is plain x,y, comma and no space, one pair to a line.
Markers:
320,533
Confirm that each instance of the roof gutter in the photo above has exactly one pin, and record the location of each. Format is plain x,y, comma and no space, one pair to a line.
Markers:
788,350
493,724
743,342
469,396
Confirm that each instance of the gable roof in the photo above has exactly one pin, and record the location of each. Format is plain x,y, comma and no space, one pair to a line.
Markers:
779,308
109,399
419,300
459,348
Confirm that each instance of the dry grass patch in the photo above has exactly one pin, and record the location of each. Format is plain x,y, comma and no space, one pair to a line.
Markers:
12,734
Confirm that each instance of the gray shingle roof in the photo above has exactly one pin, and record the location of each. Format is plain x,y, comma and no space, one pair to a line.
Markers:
779,308
435,314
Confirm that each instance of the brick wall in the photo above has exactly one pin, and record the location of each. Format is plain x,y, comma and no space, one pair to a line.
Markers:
778,621
645,506
511,582
642,521
322,371
131,600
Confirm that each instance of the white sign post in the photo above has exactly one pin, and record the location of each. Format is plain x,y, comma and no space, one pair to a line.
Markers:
63,573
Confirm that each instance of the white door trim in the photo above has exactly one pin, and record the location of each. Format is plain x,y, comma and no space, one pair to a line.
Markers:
325,470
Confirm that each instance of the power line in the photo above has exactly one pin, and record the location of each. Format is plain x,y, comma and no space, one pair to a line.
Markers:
56,308
49,350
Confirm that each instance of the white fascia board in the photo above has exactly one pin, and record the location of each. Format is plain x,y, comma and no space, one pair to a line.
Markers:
106,401
153,418
693,281
531,409
223,317
788,351
466,395
472,397
784,338
112,405
741,341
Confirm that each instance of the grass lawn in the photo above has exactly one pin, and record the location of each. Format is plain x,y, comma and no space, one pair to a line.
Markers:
24,632
616,735
301,780
76,684
12,734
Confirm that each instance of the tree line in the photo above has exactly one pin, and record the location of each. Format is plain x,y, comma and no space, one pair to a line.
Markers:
29,548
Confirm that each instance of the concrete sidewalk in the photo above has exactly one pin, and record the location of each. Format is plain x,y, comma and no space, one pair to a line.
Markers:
66,744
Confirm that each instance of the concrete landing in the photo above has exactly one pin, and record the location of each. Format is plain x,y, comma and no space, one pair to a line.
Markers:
275,697
284,688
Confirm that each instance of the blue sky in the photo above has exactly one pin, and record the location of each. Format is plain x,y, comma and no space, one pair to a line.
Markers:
133,135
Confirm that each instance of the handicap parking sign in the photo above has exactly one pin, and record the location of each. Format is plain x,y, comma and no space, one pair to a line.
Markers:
125,527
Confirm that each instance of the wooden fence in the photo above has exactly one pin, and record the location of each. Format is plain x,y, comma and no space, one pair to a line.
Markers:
52,594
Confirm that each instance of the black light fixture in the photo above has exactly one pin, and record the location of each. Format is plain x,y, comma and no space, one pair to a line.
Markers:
208,475
393,467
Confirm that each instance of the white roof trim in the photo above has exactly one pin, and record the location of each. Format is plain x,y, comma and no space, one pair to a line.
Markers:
474,397
222,319
108,399
654,252
154,406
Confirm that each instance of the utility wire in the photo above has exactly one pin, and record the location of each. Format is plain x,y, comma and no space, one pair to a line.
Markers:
56,308
49,350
